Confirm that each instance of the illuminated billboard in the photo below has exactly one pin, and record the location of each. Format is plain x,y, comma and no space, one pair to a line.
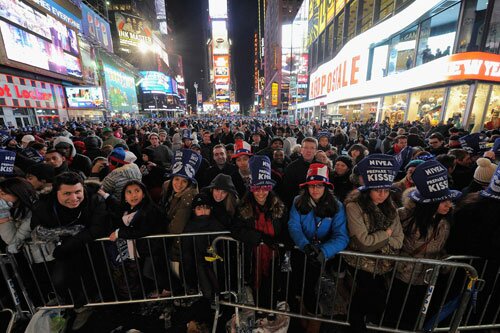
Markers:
59,56
221,77
274,94
133,32
219,37
120,89
84,97
96,28
156,83
217,8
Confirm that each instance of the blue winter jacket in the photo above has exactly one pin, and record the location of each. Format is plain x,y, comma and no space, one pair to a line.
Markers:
330,231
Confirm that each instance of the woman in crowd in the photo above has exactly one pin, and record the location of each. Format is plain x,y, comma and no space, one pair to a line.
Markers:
224,199
374,227
177,195
342,184
317,226
259,224
425,218
136,216
17,197
357,152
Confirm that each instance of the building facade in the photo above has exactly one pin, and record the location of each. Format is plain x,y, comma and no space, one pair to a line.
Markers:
432,61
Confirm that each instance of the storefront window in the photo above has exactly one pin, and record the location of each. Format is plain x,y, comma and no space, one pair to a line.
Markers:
351,25
426,106
379,62
402,51
493,39
385,9
472,25
474,123
455,107
394,108
437,35
367,15
339,36
359,112
492,118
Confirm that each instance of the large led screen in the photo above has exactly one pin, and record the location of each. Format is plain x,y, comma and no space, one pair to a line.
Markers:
120,88
84,97
133,31
96,28
217,8
220,40
156,83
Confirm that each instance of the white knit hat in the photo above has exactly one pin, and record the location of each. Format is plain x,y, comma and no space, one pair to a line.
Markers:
484,171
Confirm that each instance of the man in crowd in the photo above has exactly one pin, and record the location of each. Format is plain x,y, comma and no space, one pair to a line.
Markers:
220,164
296,172
162,153
437,144
80,215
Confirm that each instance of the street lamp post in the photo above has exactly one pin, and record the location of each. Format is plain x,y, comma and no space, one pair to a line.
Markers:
195,85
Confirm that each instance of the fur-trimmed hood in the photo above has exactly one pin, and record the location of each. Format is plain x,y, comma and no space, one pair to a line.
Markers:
277,209
63,139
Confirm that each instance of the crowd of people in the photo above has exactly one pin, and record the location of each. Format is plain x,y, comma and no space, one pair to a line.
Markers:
314,188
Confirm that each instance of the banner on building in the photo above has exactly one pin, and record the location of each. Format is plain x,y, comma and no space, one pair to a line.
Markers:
84,97
68,14
219,36
120,89
96,28
133,32
274,94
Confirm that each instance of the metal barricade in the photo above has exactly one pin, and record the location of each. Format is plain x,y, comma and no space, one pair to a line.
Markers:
430,300
14,284
483,313
109,275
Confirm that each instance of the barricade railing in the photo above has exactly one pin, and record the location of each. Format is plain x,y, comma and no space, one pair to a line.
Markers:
483,313
415,294
436,295
153,268
13,283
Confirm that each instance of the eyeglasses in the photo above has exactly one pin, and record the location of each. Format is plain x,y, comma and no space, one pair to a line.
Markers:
316,186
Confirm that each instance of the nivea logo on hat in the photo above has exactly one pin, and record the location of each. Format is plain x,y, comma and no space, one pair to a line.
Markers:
431,181
260,168
378,171
7,160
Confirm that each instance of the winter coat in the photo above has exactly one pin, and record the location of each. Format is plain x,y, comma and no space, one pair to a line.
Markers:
295,174
476,231
146,222
113,183
75,161
342,185
91,214
430,247
178,209
359,224
15,231
194,250
331,232
112,141
244,224
462,176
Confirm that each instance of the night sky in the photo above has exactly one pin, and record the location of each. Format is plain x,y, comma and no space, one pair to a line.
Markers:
187,16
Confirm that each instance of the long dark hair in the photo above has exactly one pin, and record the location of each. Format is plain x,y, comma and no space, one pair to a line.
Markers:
25,193
425,217
146,203
326,206
388,208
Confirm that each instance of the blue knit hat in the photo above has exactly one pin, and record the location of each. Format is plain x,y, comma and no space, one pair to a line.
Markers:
496,147
185,163
493,190
431,181
378,171
323,134
260,168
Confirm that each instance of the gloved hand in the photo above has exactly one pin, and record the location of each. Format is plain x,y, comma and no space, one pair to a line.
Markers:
311,251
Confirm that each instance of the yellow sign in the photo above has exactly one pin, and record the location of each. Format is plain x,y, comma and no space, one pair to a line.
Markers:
330,10
313,24
322,17
274,94
339,5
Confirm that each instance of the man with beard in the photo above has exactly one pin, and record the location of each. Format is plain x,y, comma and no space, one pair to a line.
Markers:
220,164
